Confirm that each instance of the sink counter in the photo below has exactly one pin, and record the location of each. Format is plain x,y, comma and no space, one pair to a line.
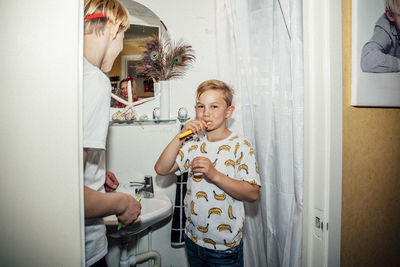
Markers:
154,210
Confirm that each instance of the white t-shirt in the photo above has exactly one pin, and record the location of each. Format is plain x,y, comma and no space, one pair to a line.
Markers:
96,108
215,219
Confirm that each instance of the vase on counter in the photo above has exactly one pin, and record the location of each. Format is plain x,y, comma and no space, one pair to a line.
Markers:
162,88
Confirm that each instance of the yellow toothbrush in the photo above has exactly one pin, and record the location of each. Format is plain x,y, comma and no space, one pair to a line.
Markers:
184,134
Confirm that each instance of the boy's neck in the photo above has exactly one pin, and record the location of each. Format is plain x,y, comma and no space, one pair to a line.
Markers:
218,134
94,49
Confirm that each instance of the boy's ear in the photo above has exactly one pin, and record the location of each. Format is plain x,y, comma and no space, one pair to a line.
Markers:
389,15
114,29
229,111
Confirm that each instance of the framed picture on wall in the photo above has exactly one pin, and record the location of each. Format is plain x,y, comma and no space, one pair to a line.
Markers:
375,53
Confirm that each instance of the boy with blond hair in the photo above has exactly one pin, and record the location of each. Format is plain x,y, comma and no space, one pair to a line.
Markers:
222,174
105,22
382,52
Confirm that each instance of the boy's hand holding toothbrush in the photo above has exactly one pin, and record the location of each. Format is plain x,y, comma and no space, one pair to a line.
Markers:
193,127
130,212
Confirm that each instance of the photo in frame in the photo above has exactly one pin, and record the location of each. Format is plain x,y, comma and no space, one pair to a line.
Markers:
373,83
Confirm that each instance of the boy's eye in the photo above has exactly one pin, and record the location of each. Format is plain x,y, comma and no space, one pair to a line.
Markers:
200,106
214,106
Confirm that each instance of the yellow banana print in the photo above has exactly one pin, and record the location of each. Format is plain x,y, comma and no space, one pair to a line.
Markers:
210,241
187,164
203,148
217,211
202,194
189,191
198,175
192,208
220,196
193,238
239,160
236,148
243,167
257,170
224,147
230,213
190,221
247,143
251,151
215,163
197,179
253,182
203,229
223,227
180,153
229,162
194,147
185,204
233,138
230,245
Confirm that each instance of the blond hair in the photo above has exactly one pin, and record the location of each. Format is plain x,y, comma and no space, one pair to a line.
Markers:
115,10
392,6
216,85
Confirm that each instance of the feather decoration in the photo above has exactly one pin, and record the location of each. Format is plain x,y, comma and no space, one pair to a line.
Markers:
179,58
152,63
164,60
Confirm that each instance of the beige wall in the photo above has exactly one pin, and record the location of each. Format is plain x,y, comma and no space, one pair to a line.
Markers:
130,48
371,175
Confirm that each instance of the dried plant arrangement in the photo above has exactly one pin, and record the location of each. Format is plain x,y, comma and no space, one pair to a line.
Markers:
165,60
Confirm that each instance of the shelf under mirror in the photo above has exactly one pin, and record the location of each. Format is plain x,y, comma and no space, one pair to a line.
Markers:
130,122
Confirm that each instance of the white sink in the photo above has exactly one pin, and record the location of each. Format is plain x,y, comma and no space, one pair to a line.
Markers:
154,210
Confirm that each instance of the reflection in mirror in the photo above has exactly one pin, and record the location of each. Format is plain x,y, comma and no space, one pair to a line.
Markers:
144,24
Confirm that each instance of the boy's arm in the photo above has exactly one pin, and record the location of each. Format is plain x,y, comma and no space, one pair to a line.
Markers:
166,163
373,56
241,190
398,63
98,204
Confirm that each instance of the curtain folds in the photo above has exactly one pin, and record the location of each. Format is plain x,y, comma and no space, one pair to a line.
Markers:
259,52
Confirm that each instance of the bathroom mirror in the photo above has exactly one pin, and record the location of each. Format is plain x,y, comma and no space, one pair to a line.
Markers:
144,24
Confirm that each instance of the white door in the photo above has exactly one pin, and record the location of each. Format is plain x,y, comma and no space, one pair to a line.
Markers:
41,218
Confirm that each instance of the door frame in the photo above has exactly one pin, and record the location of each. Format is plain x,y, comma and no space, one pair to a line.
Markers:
322,132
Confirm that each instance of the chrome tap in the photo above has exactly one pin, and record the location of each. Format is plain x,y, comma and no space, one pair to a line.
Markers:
147,189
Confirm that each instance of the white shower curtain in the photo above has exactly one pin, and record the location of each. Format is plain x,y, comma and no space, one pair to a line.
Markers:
259,47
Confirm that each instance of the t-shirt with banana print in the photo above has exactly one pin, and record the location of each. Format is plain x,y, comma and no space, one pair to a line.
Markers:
215,219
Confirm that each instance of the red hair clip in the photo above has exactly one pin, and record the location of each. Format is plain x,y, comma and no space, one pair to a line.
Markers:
95,16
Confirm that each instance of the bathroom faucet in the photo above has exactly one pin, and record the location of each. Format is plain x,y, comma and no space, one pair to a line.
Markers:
147,188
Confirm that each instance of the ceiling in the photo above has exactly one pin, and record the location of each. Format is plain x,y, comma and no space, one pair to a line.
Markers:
144,23
140,32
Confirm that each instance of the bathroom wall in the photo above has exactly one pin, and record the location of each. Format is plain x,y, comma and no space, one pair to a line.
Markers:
134,149
371,175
